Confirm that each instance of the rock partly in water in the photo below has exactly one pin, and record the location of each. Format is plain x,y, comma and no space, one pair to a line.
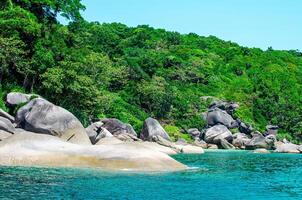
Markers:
258,141
264,151
41,116
287,148
116,127
212,146
215,133
46,150
218,116
153,128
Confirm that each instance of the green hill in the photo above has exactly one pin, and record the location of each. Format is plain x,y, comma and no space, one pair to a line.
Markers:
111,70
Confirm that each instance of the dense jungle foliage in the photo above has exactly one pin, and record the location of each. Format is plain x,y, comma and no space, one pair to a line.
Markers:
111,70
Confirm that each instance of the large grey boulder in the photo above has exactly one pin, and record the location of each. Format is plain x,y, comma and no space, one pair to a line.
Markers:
153,128
215,133
217,116
95,132
6,115
116,127
258,141
240,140
6,125
16,98
41,116
287,148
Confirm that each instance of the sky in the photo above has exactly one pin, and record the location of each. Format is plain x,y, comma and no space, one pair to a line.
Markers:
252,23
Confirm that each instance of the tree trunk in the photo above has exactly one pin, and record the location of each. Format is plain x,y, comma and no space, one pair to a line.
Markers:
33,83
25,82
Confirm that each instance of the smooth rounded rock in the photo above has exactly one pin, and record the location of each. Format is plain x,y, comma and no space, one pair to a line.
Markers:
287,148
46,150
215,133
217,116
153,128
41,116
264,151
17,98
117,127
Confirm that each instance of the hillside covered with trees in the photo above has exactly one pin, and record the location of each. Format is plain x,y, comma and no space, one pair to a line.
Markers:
111,70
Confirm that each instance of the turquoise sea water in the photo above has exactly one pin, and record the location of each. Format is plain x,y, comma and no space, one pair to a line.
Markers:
224,175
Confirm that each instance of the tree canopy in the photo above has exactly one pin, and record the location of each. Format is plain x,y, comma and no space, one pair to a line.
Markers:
111,70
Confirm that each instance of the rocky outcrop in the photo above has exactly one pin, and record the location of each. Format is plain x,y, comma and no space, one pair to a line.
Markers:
200,143
217,116
162,141
153,128
181,141
287,148
212,146
41,116
225,144
194,133
6,125
240,140
46,150
258,141
116,127
7,116
214,134
244,128
127,137
95,132
229,107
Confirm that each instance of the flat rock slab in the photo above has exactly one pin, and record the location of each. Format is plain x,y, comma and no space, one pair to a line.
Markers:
44,150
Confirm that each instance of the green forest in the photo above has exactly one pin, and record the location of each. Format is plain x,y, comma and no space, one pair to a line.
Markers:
130,73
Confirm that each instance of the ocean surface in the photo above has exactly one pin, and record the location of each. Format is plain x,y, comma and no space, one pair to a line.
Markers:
226,175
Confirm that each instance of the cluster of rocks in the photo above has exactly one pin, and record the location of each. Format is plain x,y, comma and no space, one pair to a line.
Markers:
42,133
220,121
39,121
